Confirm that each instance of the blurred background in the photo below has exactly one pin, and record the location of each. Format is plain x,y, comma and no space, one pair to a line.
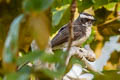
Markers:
22,21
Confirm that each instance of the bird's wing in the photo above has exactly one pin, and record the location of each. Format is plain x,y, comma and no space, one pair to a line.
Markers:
61,37
63,34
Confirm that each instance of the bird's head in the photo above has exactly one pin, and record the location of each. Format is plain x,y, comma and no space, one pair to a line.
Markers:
86,19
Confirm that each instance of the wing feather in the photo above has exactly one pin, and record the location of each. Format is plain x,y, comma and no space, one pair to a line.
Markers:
61,37
63,34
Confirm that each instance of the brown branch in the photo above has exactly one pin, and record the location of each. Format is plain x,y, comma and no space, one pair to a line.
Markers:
115,14
71,35
116,10
109,21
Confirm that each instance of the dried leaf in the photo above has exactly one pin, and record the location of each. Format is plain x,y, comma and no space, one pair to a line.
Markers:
40,24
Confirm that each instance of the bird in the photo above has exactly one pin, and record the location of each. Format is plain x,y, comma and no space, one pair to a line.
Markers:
81,30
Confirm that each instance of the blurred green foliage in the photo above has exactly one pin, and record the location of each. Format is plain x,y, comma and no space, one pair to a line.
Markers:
11,45
56,13
108,75
36,5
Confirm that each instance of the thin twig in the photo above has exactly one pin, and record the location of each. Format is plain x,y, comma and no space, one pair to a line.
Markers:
116,10
21,66
109,21
71,35
115,14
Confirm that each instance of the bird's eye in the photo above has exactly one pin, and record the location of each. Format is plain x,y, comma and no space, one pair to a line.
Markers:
88,19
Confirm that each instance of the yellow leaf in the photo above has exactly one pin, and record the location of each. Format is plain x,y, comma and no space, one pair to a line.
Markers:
40,24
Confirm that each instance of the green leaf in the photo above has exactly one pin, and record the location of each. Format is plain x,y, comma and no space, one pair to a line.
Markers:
108,75
55,74
66,2
115,0
84,4
60,18
0,78
75,60
29,57
25,69
16,76
36,5
57,57
110,6
11,43
60,3
58,14
99,3
60,56
51,58
108,3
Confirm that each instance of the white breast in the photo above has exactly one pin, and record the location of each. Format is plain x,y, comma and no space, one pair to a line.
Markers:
83,39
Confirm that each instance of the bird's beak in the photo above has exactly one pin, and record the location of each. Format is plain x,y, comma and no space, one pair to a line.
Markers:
93,20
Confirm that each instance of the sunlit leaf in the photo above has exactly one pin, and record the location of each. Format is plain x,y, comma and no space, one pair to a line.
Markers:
58,14
62,17
99,3
110,6
0,78
11,43
36,5
40,24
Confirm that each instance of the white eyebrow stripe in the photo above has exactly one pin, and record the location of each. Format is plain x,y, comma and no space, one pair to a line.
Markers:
84,16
